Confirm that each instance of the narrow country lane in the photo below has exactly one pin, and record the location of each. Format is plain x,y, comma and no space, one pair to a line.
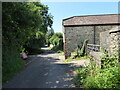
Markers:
44,71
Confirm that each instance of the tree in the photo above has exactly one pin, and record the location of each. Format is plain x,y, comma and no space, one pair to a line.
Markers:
55,38
49,34
21,22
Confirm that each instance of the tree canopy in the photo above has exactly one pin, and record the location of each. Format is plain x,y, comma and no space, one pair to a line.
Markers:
56,38
23,21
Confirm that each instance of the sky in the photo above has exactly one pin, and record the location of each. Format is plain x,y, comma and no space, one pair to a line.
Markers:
62,10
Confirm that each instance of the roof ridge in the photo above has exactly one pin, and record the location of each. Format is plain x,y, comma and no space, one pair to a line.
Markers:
90,15
92,19
97,15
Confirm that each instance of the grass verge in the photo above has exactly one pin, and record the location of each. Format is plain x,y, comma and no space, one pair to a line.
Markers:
11,64
78,58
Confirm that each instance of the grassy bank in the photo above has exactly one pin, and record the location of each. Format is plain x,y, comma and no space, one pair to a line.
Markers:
11,64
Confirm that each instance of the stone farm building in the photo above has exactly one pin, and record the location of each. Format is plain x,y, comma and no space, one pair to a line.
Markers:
78,28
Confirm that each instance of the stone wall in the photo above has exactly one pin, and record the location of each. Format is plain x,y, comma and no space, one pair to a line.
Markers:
99,29
110,40
105,41
115,40
75,35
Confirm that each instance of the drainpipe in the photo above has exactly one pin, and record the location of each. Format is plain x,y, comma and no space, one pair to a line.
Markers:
94,34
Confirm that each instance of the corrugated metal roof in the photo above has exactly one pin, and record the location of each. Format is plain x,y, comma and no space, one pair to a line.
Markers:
92,20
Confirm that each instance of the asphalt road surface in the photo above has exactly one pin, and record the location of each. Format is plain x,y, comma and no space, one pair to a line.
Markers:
44,71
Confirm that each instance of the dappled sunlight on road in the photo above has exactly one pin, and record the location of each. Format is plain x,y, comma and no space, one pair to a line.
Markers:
45,71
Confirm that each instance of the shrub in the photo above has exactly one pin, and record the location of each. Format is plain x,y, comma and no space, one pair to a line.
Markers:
106,76
82,73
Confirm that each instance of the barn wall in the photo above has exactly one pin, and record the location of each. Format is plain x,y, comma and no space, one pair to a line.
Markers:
101,29
113,41
75,35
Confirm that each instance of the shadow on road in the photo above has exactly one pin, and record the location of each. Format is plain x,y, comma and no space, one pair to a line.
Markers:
44,71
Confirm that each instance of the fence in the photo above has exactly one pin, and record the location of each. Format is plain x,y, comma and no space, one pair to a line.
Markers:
109,40
93,50
93,47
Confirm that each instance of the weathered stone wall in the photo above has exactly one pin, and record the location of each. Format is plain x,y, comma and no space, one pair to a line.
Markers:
115,41
110,40
105,41
99,29
75,35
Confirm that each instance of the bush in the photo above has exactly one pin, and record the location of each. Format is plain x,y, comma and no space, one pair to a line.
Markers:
82,73
106,76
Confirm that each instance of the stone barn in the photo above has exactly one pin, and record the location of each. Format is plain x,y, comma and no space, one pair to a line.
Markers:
78,28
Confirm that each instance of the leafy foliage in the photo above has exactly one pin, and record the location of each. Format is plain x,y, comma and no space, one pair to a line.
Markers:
106,76
57,41
82,52
56,38
24,25
49,34
82,74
